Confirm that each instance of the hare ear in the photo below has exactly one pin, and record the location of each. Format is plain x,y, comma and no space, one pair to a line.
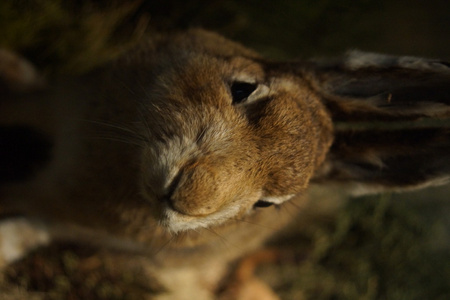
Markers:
368,86
377,160
389,115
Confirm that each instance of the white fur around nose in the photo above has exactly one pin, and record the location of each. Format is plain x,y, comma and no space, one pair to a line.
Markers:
165,159
176,222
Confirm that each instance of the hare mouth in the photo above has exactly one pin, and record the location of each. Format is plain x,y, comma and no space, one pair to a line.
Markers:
175,221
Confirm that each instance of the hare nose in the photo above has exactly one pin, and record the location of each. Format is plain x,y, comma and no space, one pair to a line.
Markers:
196,190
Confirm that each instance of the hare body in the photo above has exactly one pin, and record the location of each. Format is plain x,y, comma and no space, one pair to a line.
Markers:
149,155
174,151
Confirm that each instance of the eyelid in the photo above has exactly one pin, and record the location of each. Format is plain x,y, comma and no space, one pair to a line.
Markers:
261,91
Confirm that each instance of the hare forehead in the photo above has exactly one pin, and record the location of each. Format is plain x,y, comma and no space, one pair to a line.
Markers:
194,140
199,69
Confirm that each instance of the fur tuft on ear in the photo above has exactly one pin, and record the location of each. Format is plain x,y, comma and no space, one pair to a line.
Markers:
390,117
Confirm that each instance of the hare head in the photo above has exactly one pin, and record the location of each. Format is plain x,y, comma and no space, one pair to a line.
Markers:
227,132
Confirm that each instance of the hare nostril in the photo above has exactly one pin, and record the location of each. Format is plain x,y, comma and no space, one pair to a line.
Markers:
165,199
173,185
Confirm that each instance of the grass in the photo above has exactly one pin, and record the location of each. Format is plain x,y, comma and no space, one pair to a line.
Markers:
375,248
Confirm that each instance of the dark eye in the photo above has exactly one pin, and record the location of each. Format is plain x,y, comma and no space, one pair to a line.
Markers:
241,90
262,203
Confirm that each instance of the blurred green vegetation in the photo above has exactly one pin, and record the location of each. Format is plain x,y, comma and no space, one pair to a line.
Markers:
71,272
374,248
75,35
68,36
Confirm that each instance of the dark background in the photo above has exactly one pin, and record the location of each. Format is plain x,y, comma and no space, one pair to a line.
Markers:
73,35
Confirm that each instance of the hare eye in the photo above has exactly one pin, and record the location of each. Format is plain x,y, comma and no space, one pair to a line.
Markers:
240,91
262,203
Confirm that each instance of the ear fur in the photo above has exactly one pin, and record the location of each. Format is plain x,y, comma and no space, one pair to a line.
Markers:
379,160
390,119
368,86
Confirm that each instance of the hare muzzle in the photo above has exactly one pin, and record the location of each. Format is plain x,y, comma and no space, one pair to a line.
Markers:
204,176
206,193
202,189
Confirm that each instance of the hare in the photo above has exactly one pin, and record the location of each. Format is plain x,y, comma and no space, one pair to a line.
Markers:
191,136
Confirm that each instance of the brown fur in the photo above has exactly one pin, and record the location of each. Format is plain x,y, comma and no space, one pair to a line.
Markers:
151,156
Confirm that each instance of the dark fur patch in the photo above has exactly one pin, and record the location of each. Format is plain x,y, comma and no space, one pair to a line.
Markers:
390,158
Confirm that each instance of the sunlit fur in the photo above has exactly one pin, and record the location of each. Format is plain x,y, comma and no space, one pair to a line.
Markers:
152,157
208,160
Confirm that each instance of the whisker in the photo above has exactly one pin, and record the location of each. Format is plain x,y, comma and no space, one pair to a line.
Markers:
222,239
284,209
129,89
145,124
114,126
116,139
180,236
143,89
298,207
119,133
166,244
257,224
154,236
